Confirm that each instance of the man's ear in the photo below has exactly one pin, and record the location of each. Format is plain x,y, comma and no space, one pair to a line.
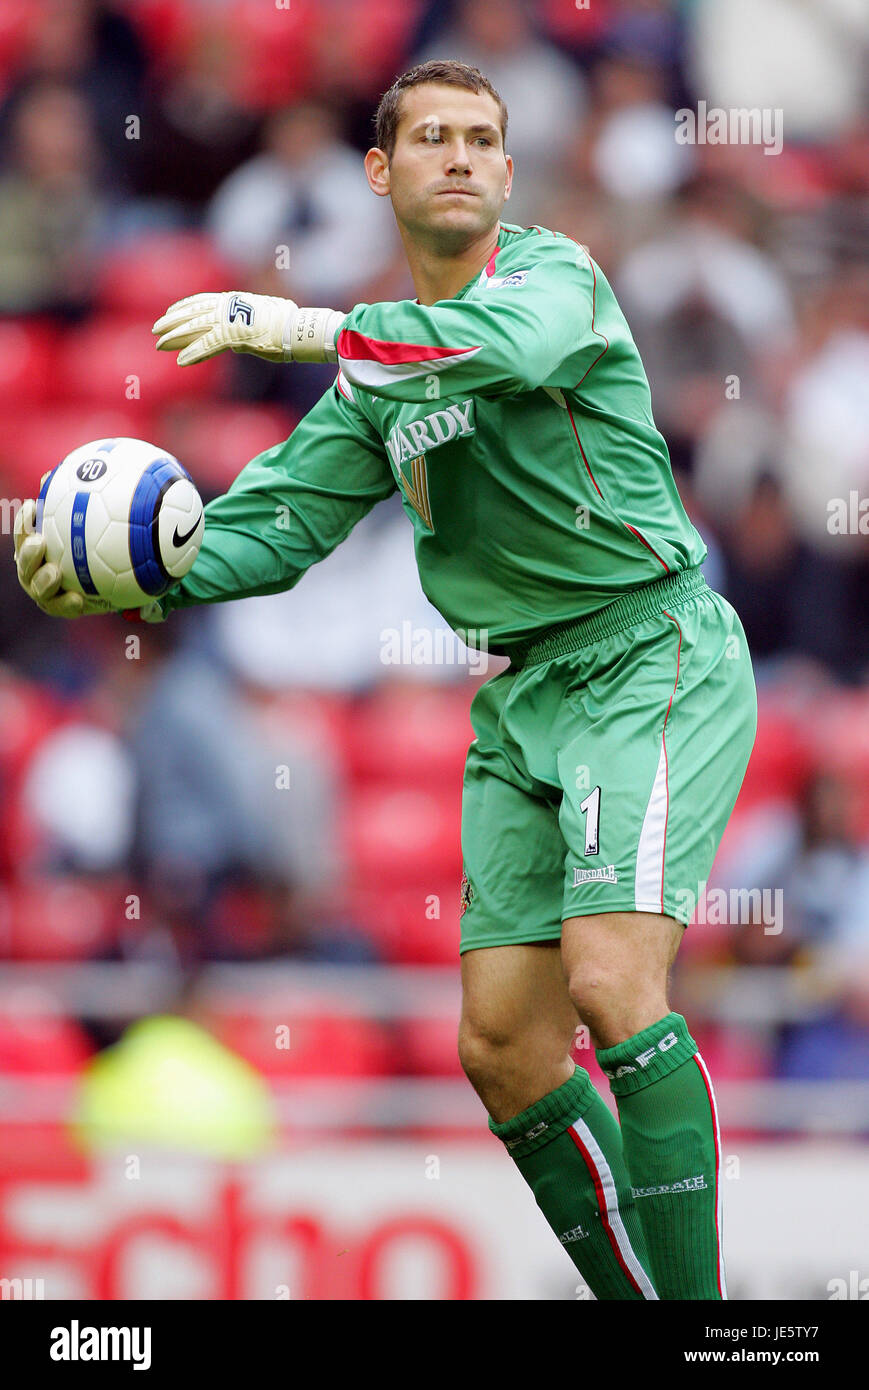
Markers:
377,172
509,184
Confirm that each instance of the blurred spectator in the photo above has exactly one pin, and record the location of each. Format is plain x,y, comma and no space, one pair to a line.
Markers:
833,1045
80,793
634,154
706,307
651,32
807,59
95,49
193,131
301,213
50,209
300,220
826,417
168,1084
811,857
790,599
218,803
544,91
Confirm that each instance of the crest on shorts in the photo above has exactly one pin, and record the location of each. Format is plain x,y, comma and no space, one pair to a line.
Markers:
467,893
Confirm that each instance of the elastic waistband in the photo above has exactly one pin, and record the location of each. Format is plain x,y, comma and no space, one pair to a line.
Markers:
633,607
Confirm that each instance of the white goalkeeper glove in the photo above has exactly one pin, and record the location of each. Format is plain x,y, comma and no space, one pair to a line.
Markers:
41,581
204,324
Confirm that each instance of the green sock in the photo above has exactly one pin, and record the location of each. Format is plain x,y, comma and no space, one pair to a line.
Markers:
672,1149
567,1148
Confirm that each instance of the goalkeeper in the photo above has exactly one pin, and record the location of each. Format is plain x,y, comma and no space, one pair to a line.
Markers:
509,407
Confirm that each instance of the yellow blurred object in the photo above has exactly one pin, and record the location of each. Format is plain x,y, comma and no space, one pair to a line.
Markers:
168,1083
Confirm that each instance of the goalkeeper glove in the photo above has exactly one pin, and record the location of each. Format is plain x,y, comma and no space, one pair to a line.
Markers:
204,324
41,580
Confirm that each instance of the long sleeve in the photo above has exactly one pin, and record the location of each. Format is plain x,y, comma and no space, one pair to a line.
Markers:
289,507
526,321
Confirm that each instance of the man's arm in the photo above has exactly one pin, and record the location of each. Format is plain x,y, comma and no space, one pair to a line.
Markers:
526,325
289,507
528,322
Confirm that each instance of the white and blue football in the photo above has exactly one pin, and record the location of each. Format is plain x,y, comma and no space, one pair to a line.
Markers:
122,518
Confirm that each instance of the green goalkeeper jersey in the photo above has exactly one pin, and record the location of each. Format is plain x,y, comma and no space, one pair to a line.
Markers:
515,421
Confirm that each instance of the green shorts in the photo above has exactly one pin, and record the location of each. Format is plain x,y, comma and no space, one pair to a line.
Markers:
606,764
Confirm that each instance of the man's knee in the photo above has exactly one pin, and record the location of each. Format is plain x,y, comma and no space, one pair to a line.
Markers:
596,986
616,1005
511,1070
517,1024
617,967
485,1049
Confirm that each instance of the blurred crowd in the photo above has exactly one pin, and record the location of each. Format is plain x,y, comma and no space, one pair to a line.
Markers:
153,148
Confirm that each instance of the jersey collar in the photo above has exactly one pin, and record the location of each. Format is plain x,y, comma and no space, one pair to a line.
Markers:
505,229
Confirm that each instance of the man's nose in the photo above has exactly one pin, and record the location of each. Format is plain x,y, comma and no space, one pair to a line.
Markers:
460,160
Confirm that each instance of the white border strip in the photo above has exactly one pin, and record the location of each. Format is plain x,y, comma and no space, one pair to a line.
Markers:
608,1186
719,1204
649,877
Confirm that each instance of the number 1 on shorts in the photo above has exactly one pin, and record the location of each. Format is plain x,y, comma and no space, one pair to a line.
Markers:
591,806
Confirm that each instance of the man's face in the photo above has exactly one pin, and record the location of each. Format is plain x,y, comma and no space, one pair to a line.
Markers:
449,176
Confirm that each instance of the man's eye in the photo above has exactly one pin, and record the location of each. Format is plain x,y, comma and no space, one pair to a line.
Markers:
484,139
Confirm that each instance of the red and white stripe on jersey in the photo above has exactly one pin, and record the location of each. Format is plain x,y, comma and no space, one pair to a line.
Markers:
719,1223
344,387
489,268
608,1206
372,362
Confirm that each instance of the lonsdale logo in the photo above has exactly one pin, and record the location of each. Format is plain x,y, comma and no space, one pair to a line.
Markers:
414,440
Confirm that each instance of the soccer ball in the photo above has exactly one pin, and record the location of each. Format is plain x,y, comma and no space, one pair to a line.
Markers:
122,519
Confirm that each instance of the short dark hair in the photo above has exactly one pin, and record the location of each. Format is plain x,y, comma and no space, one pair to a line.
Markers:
443,70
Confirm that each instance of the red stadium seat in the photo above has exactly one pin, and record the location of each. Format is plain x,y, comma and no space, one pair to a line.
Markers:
113,362
18,22
415,925
62,918
327,1044
274,49
402,837
411,737
781,761
215,441
839,730
366,41
41,1042
26,362
27,715
572,24
733,1054
166,26
429,1047
37,440
143,277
